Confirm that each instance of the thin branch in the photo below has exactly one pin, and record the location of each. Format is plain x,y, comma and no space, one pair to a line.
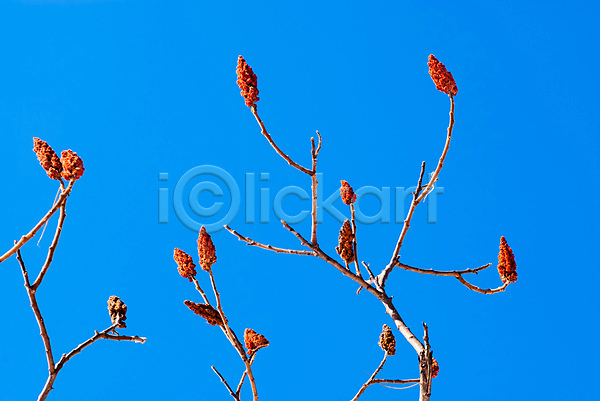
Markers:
379,293
426,335
370,381
104,334
52,248
228,332
420,182
481,290
235,397
313,189
267,247
355,245
436,173
239,387
418,196
394,381
30,234
135,339
235,342
268,136
406,225
425,363
37,313
66,357
368,270
62,186
199,289
319,144
298,235
400,388
442,272
458,274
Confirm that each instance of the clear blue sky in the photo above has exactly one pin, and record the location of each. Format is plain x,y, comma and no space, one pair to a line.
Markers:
139,88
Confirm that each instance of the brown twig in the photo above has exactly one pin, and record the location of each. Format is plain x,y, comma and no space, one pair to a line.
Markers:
441,272
394,381
418,196
313,189
481,290
252,242
436,173
425,363
458,274
60,189
52,248
66,357
303,241
371,379
37,313
104,334
23,240
352,213
368,270
228,331
379,293
239,387
135,339
268,136
234,395
200,290
235,342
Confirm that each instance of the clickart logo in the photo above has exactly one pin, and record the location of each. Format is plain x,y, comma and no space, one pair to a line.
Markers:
209,196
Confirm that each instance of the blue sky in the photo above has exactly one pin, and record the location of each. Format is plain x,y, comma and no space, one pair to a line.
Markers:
140,88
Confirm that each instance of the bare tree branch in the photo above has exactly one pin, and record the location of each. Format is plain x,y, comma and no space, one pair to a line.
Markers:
441,272
394,381
313,189
18,244
104,334
199,289
267,247
52,248
369,270
355,242
481,290
418,197
239,387
268,136
37,313
235,342
370,381
234,395
66,357
379,293
425,364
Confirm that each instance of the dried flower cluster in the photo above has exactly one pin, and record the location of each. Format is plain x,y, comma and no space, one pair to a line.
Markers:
347,193
185,264
247,81
387,342
435,368
117,310
441,77
206,250
48,158
346,242
506,263
72,164
211,315
254,341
